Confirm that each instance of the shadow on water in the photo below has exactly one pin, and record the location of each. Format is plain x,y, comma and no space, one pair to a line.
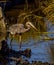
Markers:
3,61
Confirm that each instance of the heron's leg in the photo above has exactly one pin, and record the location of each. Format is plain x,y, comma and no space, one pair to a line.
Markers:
11,41
20,40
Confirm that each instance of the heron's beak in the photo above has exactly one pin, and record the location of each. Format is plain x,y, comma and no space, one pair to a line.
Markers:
33,26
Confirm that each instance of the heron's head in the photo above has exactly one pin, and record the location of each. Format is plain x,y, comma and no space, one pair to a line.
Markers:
29,24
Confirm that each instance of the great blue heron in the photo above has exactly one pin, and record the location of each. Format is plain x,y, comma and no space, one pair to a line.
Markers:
20,29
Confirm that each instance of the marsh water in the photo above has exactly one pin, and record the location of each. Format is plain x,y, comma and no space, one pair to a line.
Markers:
41,49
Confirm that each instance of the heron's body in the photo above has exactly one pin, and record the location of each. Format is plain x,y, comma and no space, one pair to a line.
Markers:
19,28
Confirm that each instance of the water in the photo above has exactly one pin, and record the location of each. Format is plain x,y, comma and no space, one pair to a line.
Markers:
40,48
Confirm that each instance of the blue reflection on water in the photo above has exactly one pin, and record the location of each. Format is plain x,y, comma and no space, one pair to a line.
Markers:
40,50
